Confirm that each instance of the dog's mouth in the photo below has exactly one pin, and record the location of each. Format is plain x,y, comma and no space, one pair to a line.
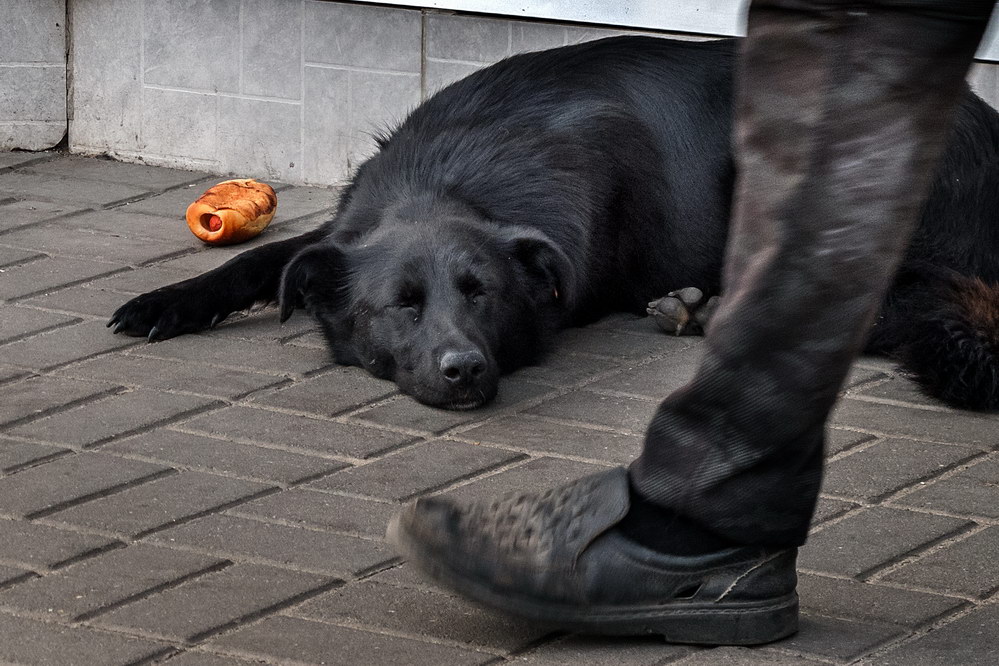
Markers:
464,405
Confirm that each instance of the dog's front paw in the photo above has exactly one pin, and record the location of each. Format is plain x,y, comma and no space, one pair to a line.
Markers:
683,312
165,313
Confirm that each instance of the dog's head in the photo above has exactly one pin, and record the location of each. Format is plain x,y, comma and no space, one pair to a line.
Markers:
442,307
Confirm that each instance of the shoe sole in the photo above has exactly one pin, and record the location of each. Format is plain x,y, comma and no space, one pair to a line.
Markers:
700,624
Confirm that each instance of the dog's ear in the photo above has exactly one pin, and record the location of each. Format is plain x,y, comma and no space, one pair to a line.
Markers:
544,262
315,276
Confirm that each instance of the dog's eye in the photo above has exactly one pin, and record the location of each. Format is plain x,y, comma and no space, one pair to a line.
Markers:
477,297
409,298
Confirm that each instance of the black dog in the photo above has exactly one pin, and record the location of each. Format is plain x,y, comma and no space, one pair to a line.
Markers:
555,187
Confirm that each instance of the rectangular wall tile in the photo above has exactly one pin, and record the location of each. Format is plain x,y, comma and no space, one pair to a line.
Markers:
272,48
44,20
33,93
362,36
261,137
179,123
325,153
194,45
467,38
106,98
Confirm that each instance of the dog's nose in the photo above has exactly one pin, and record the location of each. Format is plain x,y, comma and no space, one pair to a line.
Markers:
462,367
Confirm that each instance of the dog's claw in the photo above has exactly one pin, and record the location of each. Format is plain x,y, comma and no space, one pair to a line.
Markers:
215,320
119,327
153,332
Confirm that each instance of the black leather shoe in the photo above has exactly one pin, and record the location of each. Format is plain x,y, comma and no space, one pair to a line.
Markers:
555,557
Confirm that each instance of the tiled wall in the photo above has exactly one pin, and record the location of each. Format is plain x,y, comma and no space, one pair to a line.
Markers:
283,89
32,73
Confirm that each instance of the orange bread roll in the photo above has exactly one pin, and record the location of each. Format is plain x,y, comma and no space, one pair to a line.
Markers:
232,211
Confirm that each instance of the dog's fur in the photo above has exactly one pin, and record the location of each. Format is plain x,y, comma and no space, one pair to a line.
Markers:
555,187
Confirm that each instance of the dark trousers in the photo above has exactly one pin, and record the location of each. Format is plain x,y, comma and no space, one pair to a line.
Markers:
842,110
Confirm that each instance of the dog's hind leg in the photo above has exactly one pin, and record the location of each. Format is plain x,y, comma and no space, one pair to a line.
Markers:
684,311
204,301
944,332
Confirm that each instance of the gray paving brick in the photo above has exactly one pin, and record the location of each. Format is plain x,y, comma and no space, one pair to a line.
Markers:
888,466
965,428
27,211
68,240
41,547
838,440
11,256
80,300
843,640
157,503
311,508
34,395
404,412
39,277
69,479
545,437
600,651
279,638
869,602
627,414
535,474
872,538
28,641
62,346
300,433
192,658
12,575
76,191
297,202
14,454
17,322
208,454
417,470
173,203
623,346
279,545
209,603
106,170
158,373
659,378
264,325
216,349
9,374
973,491
562,368
122,222
114,416
133,281
901,389
969,641
331,393
420,612
104,581
12,159
827,509
967,567
741,656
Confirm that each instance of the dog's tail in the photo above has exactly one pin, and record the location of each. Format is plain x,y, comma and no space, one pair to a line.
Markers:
947,339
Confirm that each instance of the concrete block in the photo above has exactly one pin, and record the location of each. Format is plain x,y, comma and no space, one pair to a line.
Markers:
24,135
379,102
272,48
179,123
326,153
362,36
33,32
33,93
467,38
529,36
439,74
194,45
261,139
106,99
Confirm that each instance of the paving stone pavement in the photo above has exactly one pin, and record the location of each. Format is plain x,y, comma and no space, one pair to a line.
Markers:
221,498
